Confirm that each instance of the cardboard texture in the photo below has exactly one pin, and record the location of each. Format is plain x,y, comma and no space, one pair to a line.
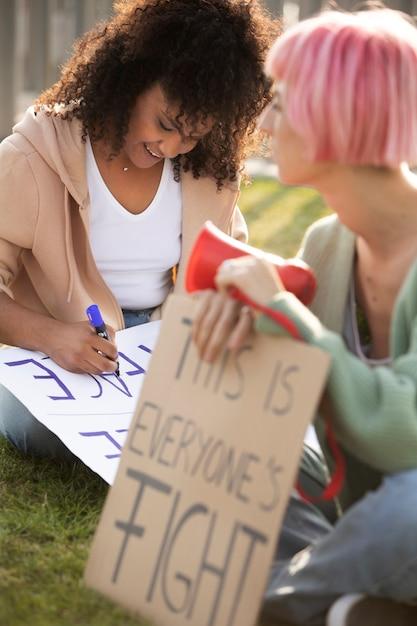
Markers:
189,527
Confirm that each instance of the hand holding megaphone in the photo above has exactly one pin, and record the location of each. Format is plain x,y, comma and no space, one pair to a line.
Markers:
213,246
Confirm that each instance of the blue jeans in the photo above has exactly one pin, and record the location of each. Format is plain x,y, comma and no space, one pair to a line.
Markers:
25,432
135,318
372,549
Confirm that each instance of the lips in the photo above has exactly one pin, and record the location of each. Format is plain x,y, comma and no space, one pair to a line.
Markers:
152,153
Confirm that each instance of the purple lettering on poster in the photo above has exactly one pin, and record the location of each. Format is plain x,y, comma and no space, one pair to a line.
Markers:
107,435
50,374
138,369
145,348
117,382
100,387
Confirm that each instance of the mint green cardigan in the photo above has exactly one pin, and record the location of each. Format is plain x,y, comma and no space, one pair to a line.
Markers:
374,410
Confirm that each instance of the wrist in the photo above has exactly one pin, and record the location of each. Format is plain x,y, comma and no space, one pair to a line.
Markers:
307,324
44,332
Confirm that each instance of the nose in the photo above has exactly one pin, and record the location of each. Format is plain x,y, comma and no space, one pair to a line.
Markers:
175,145
266,119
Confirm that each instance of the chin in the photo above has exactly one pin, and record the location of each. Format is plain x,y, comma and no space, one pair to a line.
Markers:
144,166
284,174
288,179
141,162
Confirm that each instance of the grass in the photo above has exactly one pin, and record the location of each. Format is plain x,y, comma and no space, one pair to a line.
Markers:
49,511
48,514
278,216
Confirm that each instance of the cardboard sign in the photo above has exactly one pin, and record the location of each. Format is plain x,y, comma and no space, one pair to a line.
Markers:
190,525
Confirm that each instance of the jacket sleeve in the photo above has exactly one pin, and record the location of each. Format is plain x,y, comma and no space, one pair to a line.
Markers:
18,212
375,409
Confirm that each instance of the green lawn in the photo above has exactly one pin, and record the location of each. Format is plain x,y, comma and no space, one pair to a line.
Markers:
278,216
47,517
48,511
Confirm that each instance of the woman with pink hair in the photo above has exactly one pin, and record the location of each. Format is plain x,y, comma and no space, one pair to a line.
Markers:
344,121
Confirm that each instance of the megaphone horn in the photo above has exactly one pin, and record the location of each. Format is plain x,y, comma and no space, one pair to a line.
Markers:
213,246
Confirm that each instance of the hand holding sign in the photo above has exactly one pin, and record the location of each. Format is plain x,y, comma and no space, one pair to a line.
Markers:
251,276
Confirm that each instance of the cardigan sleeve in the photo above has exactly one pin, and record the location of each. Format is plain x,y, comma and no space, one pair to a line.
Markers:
375,409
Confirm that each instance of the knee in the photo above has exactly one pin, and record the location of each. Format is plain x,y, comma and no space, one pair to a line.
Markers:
15,419
384,525
396,515
25,432
397,545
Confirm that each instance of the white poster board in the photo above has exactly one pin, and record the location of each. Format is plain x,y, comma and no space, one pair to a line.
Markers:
90,414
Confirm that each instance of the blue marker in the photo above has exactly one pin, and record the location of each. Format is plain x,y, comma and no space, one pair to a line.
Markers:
96,320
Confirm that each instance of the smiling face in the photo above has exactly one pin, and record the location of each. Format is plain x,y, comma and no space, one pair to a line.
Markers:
154,132
289,150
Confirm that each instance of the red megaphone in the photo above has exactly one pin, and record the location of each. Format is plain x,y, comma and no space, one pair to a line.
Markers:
213,246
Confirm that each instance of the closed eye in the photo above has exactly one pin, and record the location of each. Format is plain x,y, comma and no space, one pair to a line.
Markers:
166,128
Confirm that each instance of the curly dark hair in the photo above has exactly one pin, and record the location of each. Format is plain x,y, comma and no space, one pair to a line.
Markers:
207,55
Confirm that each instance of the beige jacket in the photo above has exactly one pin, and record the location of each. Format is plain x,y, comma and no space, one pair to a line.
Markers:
46,263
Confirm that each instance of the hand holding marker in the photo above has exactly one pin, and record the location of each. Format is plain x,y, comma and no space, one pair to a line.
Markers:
96,320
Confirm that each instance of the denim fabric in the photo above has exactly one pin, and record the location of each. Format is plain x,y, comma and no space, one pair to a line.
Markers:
372,549
135,318
25,432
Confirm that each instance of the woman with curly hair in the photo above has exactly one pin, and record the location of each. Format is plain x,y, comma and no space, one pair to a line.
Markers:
107,179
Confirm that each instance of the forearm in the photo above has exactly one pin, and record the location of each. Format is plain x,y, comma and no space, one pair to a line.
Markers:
24,328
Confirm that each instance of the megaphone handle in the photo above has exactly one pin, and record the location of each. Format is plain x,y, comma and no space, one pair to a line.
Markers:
278,317
337,479
335,484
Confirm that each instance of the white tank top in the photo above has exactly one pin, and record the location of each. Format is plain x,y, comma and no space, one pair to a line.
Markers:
135,253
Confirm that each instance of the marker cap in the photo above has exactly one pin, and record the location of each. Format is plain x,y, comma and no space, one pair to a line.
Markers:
94,315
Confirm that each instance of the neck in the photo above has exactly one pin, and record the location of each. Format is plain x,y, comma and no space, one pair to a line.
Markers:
378,204
103,151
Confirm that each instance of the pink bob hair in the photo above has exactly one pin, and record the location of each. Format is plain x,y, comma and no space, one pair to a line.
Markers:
350,86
